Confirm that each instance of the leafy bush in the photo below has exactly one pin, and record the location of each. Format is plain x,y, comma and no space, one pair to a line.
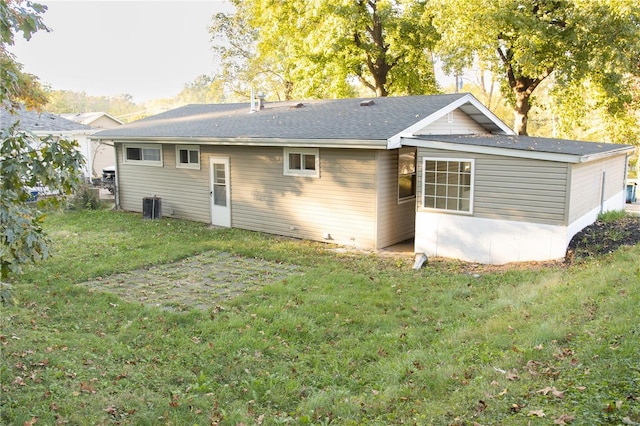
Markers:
86,198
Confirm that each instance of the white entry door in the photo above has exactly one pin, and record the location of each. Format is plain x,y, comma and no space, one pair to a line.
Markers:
220,191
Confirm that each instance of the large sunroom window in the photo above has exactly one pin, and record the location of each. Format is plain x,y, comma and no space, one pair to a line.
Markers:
447,184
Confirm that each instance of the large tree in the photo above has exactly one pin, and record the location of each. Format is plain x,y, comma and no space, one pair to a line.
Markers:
327,48
25,160
576,42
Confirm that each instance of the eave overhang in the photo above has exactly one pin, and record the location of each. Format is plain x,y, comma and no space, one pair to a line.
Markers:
271,142
516,153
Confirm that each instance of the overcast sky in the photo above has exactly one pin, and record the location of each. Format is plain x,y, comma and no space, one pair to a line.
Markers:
148,49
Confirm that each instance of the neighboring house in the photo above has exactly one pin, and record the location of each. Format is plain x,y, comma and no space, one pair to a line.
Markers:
102,154
43,124
371,173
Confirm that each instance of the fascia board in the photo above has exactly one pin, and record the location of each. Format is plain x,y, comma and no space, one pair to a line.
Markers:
63,133
310,143
395,140
506,152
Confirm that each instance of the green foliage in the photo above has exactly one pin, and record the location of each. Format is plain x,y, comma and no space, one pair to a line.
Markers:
68,101
17,86
203,90
321,49
85,197
26,161
612,216
354,339
576,42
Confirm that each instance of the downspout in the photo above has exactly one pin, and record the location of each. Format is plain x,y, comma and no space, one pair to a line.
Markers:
604,175
116,184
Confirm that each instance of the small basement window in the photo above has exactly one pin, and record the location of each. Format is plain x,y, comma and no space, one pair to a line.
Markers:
302,162
143,154
188,156
447,184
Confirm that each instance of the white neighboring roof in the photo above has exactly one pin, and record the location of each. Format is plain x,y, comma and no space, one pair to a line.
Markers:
89,117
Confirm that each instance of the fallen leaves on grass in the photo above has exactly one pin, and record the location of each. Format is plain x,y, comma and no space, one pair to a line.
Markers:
563,419
553,391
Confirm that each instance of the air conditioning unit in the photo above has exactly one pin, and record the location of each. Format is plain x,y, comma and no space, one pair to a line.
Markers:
152,208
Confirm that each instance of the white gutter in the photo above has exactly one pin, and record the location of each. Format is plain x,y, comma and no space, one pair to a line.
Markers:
311,143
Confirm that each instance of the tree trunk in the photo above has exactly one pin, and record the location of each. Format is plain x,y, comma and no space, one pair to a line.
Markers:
521,111
522,87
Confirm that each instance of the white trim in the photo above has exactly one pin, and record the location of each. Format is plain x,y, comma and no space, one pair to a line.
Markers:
302,172
142,162
395,141
220,215
188,164
511,152
277,142
421,206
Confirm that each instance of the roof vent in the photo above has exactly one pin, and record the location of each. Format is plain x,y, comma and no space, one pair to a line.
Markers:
367,103
296,106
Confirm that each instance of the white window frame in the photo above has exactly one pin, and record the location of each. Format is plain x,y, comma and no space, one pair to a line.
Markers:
142,146
414,174
188,164
472,185
302,172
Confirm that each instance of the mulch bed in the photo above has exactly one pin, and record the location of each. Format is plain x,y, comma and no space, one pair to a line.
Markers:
604,237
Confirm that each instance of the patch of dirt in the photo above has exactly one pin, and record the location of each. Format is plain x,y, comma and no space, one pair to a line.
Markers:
604,237
199,281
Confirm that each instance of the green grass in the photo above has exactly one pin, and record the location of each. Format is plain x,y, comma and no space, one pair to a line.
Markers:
354,339
612,215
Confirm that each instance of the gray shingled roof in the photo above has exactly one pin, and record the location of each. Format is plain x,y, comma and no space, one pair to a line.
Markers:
34,121
337,119
531,144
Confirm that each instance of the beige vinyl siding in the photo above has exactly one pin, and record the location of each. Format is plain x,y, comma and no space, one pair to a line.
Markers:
396,221
510,188
184,192
340,203
461,124
586,184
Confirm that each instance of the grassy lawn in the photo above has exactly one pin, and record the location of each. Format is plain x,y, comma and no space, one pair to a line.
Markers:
348,339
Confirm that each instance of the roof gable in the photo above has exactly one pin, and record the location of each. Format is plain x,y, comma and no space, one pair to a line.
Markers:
466,103
89,118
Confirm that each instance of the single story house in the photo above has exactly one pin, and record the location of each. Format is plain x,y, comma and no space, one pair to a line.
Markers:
43,124
102,154
370,173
